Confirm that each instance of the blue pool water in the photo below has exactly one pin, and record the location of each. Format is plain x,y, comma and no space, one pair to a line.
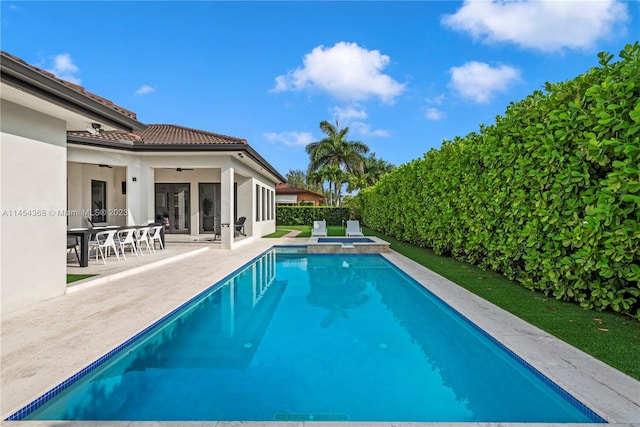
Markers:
313,337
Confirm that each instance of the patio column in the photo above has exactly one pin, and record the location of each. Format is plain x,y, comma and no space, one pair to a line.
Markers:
139,184
226,200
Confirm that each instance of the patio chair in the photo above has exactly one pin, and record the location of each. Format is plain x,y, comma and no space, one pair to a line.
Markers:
239,226
72,243
142,236
155,235
217,228
353,228
319,228
102,243
127,237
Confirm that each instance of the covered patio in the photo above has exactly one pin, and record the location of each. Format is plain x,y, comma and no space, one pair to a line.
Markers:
71,158
198,184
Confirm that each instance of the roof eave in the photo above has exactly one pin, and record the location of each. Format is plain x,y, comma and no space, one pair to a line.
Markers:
163,148
25,78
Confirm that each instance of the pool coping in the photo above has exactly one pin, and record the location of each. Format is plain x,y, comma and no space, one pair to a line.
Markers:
375,246
606,391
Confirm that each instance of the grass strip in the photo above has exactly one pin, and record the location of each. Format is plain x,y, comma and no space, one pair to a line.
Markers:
305,230
610,337
75,277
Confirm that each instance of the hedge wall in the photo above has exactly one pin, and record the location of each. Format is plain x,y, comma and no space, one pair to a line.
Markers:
305,215
549,195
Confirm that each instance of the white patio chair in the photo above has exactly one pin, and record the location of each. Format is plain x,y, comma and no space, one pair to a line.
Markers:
156,236
102,243
353,228
127,237
319,228
142,236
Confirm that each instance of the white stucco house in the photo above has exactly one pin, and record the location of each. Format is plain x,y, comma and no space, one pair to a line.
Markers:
68,157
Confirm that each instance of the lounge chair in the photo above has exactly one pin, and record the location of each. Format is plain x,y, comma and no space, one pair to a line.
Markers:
353,228
319,228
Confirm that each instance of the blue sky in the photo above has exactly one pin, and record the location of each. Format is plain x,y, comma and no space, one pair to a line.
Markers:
402,75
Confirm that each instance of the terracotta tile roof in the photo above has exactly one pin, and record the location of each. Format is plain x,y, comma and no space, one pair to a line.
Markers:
288,189
73,86
112,136
172,134
164,134
283,188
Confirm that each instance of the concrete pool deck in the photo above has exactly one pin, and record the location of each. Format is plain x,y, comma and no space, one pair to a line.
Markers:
44,344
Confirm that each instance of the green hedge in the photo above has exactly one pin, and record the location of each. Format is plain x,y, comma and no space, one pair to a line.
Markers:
549,195
305,215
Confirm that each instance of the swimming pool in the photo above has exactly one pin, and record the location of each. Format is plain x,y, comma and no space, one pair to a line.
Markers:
274,343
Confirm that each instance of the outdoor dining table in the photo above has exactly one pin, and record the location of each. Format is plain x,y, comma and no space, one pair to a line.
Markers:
85,234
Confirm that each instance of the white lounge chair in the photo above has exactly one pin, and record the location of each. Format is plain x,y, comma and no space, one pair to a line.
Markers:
319,228
353,228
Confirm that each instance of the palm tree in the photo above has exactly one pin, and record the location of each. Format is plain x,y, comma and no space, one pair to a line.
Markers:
335,177
300,179
335,152
373,169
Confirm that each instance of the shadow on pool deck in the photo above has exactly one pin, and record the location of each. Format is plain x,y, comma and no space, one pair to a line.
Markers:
45,344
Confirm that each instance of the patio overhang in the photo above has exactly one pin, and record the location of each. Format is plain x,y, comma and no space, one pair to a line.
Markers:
139,146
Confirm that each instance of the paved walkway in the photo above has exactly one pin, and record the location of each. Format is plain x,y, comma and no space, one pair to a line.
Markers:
292,233
45,344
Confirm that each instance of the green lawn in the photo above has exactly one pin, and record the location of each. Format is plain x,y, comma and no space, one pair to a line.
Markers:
305,230
75,277
607,336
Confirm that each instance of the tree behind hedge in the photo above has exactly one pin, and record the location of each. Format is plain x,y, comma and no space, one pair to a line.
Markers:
549,195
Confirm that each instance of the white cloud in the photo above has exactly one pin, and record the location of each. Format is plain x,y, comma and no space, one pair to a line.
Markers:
64,68
546,25
346,71
479,81
353,116
144,89
438,100
347,114
364,129
434,114
291,139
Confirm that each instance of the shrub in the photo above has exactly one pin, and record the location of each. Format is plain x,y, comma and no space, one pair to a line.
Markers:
549,195
305,215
